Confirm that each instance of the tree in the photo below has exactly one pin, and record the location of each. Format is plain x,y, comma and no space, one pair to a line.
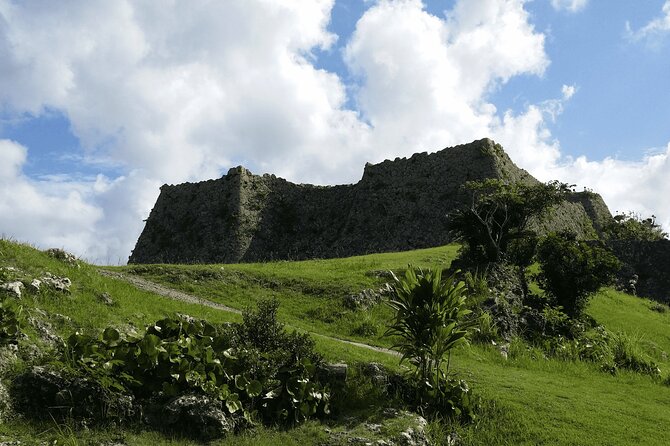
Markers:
572,270
500,212
632,226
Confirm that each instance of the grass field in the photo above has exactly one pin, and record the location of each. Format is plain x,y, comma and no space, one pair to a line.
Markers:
528,399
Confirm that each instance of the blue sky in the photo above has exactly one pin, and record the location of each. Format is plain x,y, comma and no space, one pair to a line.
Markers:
102,102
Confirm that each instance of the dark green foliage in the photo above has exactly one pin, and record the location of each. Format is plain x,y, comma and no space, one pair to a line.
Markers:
430,320
51,393
499,213
632,226
255,369
572,270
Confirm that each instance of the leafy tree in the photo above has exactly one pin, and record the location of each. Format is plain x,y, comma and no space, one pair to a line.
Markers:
632,226
499,213
572,270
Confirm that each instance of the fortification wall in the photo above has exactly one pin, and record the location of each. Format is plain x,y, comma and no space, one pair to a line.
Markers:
650,261
397,205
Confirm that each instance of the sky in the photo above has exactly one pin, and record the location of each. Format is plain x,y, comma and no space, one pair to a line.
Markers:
103,102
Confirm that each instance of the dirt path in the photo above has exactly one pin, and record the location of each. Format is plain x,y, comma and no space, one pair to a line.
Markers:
170,293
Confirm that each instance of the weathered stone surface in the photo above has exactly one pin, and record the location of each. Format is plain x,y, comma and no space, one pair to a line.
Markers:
5,403
35,285
44,393
649,261
198,416
367,298
333,374
63,256
57,283
106,299
12,288
397,205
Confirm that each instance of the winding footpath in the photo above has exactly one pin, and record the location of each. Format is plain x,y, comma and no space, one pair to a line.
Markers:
170,293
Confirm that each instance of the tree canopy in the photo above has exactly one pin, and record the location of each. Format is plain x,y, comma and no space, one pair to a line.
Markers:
500,212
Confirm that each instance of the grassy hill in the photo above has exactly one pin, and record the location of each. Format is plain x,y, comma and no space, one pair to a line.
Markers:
529,398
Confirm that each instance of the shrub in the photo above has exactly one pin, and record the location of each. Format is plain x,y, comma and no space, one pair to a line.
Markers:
486,329
270,376
571,270
632,226
659,307
430,320
365,328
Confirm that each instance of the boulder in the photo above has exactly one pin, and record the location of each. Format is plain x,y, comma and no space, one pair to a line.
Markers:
198,416
12,288
106,299
35,285
63,256
367,298
47,394
57,283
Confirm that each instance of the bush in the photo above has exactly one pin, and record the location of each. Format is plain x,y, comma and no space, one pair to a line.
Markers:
254,369
571,270
430,320
632,226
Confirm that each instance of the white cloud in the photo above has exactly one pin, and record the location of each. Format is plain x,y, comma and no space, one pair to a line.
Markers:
569,5
45,216
568,91
182,91
639,186
424,80
654,28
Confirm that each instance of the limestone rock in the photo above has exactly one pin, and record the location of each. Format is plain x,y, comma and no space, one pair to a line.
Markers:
198,416
13,288
106,298
57,283
367,298
333,374
44,393
35,285
63,256
5,403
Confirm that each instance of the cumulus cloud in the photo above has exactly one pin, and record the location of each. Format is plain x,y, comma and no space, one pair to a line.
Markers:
654,28
43,215
424,80
569,5
639,186
183,91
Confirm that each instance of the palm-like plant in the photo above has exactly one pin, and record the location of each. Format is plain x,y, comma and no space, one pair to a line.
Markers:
429,321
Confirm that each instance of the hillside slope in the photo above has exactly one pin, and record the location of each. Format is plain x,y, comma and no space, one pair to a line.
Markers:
528,399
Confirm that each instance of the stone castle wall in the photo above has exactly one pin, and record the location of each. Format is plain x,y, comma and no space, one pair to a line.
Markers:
397,205
650,261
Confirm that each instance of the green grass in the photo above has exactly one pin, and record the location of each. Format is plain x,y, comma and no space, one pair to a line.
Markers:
310,292
527,399
634,316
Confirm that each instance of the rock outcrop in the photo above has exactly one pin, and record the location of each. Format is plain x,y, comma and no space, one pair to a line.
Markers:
397,205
